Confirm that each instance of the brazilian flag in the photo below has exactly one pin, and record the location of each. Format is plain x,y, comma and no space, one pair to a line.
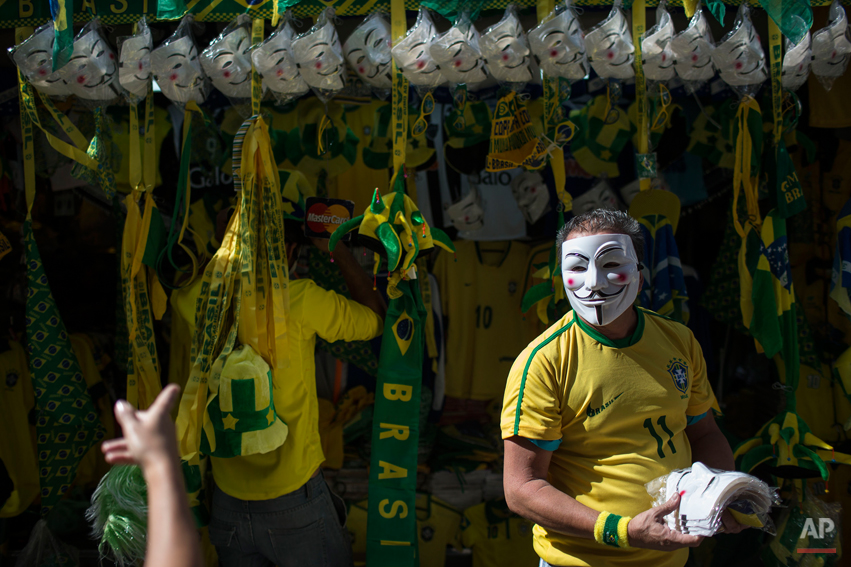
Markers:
62,12
664,288
840,283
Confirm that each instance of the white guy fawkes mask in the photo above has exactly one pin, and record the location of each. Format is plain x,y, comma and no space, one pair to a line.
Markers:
368,51
796,63
467,214
319,57
412,56
178,71
739,57
656,48
506,50
692,49
531,194
559,45
227,63
830,44
134,62
274,61
92,71
34,57
600,274
457,54
610,48
600,196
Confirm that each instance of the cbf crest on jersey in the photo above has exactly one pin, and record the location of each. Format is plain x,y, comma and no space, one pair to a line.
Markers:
678,369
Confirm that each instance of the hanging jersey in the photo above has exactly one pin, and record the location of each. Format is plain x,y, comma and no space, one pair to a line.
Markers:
498,537
623,407
481,294
17,441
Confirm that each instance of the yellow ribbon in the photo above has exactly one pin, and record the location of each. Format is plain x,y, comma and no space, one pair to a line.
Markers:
776,55
638,27
323,125
149,159
26,130
398,27
742,179
256,39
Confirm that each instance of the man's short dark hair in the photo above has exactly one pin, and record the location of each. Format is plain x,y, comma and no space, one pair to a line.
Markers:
604,221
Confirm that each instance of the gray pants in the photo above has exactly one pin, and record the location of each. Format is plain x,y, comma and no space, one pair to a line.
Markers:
305,527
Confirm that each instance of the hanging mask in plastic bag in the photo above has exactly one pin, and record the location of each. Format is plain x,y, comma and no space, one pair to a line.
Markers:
559,45
656,49
531,194
226,60
134,62
467,214
368,51
457,53
831,47
739,57
412,55
692,49
34,58
273,59
610,48
796,63
92,71
506,50
319,57
177,69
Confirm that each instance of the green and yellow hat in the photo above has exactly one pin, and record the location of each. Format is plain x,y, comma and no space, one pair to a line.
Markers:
378,154
241,418
322,140
598,142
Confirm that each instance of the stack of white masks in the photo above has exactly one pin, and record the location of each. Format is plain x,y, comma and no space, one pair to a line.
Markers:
831,47
559,45
274,62
706,493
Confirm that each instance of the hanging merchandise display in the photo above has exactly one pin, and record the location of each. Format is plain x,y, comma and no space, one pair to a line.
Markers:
227,63
413,57
664,290
559,45
273,59
610,48
831,47
176,67
531,194
92,72
739,57
34,58
656,51
692,50
467,214
796,63
506,50
368,52
134,62
319,57
458,54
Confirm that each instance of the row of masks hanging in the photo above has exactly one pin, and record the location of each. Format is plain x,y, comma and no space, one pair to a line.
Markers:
291,65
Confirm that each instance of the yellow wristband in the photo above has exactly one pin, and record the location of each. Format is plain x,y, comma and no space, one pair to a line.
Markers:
611,529
623,537
598,526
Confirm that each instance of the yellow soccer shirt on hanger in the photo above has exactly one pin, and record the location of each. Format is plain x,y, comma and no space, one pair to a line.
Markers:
481,294
623,406
498,537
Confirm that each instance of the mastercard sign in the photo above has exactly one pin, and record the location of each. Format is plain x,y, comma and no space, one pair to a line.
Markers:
325,215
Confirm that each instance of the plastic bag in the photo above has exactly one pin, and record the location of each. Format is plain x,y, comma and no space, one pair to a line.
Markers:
559,44
658,57
796,63
412,54
134,62
319,57
692,50
458,55
739,57
227,63
34,58
46,550
706,493
92,72
176,67
831,47
506,50
610,48
368,52
274,61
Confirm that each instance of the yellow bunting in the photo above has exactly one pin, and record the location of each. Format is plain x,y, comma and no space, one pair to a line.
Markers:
256,39
774,49
638,27
399,26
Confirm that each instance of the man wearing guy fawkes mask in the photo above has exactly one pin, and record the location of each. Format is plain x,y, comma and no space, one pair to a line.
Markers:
607,399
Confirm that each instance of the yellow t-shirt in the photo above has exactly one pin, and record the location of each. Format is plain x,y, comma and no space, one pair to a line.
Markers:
481,294
620,409
313,311
497,536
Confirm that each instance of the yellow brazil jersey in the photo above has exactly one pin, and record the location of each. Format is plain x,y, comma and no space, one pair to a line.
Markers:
497,537
620,409
17,438
438,526
481,294
313,311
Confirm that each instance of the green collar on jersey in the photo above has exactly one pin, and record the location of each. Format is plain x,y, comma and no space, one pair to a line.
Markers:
619,343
